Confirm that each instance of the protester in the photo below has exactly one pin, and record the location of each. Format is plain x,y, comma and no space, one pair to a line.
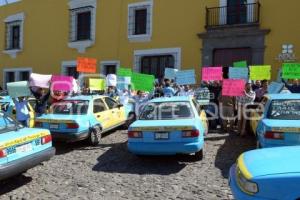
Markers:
256,85
186,91
41,97
242,102
294,87
168,90
158,91
226,104
22,111
261,91
112,92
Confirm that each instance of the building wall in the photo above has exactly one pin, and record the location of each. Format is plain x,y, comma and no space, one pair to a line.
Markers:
176,24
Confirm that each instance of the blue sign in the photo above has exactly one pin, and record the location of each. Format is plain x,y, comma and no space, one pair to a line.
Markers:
185,77
239,73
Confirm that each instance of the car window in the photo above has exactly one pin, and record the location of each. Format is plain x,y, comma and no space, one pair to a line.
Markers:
110,103
7,124
284,109
197,106
167,111
70,107
99,106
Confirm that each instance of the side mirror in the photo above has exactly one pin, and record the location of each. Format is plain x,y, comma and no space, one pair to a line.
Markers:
120,105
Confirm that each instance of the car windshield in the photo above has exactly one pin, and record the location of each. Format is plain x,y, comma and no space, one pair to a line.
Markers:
8,124
166,111
284,109
74,107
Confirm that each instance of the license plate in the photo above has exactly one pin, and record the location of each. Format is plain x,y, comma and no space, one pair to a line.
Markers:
24,148
162,136
53,126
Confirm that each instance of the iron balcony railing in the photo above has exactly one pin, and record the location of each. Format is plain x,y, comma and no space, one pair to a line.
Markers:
243,14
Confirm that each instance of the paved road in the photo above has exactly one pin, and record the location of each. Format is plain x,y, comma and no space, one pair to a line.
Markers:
110,172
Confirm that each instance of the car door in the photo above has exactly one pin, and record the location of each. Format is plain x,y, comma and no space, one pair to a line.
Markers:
102,113
117,112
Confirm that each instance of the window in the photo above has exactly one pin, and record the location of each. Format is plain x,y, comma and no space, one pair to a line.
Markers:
98,106
140,21
81,25
72,71
110,103
156,64
10,77
17,74
109,67
24,75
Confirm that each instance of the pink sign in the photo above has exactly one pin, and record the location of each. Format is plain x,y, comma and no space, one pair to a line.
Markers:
212,73
233,87
39,80
62,83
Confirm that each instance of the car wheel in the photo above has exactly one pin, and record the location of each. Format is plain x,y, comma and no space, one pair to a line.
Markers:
95,136
199,155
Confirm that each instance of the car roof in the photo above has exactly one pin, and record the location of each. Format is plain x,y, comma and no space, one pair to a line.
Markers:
283,96
171,99
85,97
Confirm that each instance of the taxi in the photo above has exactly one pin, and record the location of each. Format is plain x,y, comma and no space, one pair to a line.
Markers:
270,173
22,148
83,118
8,107
169,126
279,124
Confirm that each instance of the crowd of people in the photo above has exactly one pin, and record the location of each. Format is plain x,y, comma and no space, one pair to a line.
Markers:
227,107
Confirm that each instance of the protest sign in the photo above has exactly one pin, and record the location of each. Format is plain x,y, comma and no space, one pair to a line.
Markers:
124,72
170,73
260,72
275,87
240,64
239,73
142,82
39,80
123,83
212,73
62,83
86,65
96,84
18,89
111,80
291,71
185,77
233,88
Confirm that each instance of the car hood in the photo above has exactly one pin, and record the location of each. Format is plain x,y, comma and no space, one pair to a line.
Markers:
282,124
272,161
145,124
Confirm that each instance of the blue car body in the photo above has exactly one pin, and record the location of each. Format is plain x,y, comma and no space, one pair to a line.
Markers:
280,123
274,171
78,126
22,148
175,143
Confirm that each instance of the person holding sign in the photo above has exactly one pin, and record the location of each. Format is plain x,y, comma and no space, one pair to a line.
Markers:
293,87
168,90
22,111
261,91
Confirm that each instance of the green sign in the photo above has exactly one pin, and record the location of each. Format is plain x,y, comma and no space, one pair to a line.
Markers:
124,72
291,71
142,82
260,72
240,64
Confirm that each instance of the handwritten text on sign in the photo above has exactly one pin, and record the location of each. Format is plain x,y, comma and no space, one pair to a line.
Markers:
233,88
260,72
86,65
212,73
61,83
239,73
291,71
185,77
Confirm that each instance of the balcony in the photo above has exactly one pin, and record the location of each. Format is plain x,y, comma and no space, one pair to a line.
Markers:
233,16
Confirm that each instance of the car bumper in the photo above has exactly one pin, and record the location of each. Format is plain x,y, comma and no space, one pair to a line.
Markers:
164,148
18,166
235,189
70,137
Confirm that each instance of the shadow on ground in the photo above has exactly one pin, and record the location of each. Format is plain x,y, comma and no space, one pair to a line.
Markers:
117,159
229,152
13,183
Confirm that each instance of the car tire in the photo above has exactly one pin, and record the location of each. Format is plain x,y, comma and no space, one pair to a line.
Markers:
199,155
95,136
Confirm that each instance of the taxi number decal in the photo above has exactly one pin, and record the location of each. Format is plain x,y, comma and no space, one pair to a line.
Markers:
171,128
286,129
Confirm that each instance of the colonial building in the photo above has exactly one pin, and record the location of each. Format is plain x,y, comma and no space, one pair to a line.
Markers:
46,36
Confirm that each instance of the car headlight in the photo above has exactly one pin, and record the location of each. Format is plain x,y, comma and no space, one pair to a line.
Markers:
246,185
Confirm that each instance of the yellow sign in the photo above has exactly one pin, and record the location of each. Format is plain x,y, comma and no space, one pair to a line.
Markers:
286,129
97,84
260,72
22,140
171,128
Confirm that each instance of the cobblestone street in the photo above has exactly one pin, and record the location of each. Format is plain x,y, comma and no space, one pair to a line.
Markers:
109,171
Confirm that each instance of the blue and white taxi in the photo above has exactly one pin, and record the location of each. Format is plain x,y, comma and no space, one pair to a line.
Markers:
270,173
280,122
83,118
169,126
22,148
